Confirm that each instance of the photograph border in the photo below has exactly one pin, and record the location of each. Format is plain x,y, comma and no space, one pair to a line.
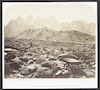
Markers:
98,23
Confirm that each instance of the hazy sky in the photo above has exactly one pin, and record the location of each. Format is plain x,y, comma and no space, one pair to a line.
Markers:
63,12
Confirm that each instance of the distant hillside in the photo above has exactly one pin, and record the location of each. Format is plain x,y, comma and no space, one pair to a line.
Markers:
76,36
47,34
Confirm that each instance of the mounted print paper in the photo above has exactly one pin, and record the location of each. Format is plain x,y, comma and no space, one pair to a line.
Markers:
50,41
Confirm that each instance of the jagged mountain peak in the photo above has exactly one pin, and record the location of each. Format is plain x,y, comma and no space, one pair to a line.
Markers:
52,17
29,16
45,29
19,18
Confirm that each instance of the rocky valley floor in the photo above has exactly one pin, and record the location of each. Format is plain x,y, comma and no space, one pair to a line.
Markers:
39,59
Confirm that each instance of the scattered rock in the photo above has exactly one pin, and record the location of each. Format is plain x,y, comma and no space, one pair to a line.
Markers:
52,58
46,64
15,63
10,50
60,64
59,72
7,69
66,74
23,59
30,75
30,62
15,66
72,61
83,77
5,53
78,54
89,73
14,72
16,60
76,70
93,66
29,54
49,62
62,74
32,68
18,75
25,72
43,72
67,56
40,60
9,56
92,63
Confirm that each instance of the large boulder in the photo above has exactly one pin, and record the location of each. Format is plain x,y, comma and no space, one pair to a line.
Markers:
76,70
93,67
9,56
78,54
5,53
30,62
62,74
82,54
24,72
59,65
67,55
72,61
43,72
89,73
59,72
55,66
40,60
32,67
16,60
52,64
15,63
7,69
52,58
18,75
66,73
25,58
46,64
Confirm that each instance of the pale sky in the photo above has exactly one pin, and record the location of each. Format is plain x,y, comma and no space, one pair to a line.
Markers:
63,12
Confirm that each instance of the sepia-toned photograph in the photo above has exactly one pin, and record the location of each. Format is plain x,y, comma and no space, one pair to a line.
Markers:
49,41
49,45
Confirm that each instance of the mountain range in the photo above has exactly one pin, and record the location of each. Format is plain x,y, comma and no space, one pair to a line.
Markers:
15,26
49,29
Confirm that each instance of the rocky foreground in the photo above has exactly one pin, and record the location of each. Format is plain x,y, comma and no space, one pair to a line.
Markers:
47,62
